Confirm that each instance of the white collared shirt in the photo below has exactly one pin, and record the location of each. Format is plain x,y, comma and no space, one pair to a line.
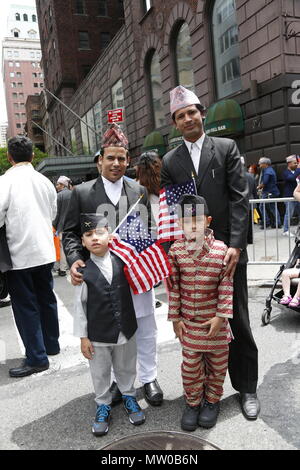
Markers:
195,149
104,263
113,190
27,208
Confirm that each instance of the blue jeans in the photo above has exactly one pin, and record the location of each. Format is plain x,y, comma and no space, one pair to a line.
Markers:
35,311
270,207
290,208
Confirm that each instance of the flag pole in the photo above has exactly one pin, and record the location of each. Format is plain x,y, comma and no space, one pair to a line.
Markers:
53,138
129,212
73,112
194,181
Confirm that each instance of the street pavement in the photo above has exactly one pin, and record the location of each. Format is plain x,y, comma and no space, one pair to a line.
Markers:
55,409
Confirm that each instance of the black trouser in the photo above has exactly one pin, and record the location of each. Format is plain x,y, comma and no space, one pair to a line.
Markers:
35,311
243,354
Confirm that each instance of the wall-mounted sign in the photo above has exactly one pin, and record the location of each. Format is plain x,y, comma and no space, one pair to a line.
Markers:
115,115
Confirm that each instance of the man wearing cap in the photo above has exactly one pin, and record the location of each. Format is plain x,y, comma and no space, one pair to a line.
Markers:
220,179
63,199
27,208
290,175
268,185
113,194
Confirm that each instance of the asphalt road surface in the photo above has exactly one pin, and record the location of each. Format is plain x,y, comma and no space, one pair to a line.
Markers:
55,409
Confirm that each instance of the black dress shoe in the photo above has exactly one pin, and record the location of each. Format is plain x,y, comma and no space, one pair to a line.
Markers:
189,420
24,370
116,394
153,393
208,414
250,405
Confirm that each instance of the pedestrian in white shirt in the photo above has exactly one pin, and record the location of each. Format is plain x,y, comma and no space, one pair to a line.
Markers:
27,208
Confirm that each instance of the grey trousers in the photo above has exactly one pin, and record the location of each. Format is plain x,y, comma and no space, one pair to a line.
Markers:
123,360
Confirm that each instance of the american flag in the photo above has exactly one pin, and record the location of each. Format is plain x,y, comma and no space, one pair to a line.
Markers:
168,228
146,262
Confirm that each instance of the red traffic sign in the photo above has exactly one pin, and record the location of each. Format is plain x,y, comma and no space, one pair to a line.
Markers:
115,115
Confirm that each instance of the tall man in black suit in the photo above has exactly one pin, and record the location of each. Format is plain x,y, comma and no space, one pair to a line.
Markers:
220,179
112,193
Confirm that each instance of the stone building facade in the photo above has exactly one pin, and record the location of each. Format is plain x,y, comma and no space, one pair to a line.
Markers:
235,54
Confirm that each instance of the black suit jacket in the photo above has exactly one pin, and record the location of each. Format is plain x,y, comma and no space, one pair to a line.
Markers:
221,181
63,199
86,198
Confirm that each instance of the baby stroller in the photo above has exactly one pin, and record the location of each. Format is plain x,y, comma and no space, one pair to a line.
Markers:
266,316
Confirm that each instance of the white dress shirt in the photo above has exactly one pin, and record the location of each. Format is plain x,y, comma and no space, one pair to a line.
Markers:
195,149
144,304
27,208
113,190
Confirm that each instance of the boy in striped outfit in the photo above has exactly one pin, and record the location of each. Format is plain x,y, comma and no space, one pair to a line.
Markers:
200,303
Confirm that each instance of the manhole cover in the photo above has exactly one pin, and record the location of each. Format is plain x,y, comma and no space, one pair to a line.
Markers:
161,440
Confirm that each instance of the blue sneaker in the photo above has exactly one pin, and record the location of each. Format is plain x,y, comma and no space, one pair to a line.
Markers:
133,409
102,420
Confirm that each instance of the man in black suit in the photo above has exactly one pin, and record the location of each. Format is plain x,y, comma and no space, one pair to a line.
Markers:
220,179
112,194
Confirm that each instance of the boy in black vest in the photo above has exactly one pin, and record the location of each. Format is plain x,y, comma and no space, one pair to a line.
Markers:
105,321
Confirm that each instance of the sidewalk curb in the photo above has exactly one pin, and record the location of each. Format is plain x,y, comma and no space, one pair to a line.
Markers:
263,283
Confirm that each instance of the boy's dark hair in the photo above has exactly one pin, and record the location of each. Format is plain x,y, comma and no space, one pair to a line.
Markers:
200,108
20,149
187,205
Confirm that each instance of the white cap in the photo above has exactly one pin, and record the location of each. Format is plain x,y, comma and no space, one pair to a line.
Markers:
63,180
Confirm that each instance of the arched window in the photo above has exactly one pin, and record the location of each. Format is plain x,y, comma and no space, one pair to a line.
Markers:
184,59
32,34
25,17
34,18
18,17
226,48
153,67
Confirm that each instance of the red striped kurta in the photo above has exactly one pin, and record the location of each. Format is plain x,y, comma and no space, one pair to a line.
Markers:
200,292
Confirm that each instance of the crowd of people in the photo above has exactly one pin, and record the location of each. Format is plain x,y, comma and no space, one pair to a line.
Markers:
266,187
207,290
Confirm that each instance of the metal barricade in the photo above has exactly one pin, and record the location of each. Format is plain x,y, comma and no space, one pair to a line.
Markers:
269,246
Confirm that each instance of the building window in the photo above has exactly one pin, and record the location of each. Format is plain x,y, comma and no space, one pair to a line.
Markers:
12,74
102,7
84,42
80,7
16,54
11,64
18,17
146,5
18,125
104,40
25,17
120,9
117,95
184,58
16,33
73,140
86,69
226,48
15,95
20,85
91,141
32,34
17,64
34,18
156,89
18,74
